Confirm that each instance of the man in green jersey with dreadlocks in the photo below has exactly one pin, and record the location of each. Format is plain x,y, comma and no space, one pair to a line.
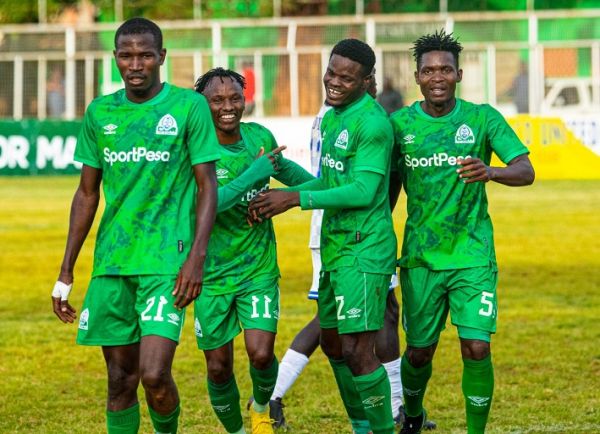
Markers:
443,147
241,273
152,146
358,245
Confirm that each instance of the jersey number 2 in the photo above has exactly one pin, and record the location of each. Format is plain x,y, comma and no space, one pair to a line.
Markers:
150,302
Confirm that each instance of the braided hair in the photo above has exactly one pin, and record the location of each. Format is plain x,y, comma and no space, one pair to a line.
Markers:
439,41
221,73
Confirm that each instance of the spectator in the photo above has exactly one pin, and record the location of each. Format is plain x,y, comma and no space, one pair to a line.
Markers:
56,93
249,90
520,89
390,98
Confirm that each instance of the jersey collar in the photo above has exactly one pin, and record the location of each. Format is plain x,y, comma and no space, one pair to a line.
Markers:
159,97
445,118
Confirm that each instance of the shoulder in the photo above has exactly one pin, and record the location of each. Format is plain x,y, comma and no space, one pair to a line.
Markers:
187,95
256,132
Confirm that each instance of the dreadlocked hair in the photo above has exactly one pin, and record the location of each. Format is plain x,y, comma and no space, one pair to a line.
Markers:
439,41
140,26
357,51
221,73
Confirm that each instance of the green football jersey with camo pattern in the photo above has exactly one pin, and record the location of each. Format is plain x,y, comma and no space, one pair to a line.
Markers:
448,225
239,254
357,138
146,152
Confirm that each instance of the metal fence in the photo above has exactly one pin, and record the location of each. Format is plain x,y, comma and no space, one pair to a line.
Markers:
548,59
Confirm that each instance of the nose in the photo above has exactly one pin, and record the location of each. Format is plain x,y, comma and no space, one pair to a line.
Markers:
136,63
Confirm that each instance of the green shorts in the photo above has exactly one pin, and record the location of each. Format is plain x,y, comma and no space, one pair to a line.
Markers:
352,301
119,310
427,296
218,316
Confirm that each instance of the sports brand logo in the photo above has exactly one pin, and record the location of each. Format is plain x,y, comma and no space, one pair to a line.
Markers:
197,328
342,140
479,401
373,401
464,134
409,139
167,126
109,129
222,174
221,408
410,392
83,319
354,312
173,319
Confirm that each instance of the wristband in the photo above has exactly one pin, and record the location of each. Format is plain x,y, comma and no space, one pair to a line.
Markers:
61,290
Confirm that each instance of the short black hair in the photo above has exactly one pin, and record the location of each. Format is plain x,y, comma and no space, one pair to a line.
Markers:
357,51
439,41
203,80
139,26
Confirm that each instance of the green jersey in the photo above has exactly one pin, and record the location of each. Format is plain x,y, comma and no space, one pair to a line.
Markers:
146,152
357,138
239,254
448,225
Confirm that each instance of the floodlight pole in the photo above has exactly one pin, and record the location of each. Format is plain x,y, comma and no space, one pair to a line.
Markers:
118,10
197,9
42,11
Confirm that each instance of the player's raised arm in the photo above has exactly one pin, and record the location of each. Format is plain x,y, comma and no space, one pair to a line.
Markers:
189,279
83,209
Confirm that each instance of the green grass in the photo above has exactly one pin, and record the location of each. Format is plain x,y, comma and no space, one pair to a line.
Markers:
546,352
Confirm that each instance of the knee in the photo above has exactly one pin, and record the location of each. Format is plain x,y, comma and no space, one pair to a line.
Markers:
331,348
121,382
261,358
155,378
474,349
419,357
219,370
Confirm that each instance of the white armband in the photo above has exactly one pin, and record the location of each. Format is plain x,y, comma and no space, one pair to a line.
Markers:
61,290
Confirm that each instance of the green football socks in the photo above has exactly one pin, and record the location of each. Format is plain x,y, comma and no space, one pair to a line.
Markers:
123,421
263,383
478,388
376,396
350,397
225,401
165,423
414,384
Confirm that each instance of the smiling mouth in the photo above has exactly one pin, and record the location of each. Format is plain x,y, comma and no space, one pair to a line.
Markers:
334,93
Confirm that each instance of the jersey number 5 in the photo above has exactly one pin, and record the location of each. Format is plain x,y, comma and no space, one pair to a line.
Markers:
488,304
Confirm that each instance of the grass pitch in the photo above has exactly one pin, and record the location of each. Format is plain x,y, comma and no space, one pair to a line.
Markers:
546,352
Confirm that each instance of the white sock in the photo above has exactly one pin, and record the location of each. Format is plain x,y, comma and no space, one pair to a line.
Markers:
393,371
290,367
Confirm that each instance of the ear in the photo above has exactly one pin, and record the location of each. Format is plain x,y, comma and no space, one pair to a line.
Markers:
459,74
163,55
417,77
